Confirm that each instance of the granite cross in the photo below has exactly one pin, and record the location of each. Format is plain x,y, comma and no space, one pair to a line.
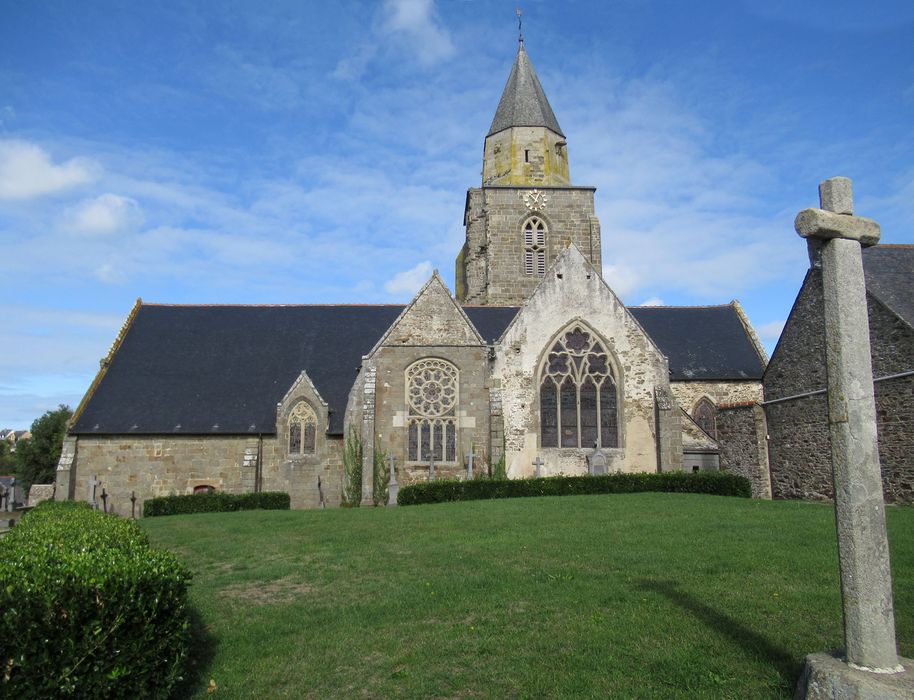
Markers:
104,500
538,466
392,487
93,485
133,505
470,457
863,551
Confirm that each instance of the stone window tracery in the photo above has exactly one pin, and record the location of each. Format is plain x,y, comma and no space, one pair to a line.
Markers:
535,246
432,395
302,429
705,414
578,393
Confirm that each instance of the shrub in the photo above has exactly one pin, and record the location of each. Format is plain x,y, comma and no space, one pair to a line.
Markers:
381,480
88,608
676,482
352,471
216,502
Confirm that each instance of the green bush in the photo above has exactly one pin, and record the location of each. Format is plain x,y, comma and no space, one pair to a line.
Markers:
674,482
352,471
88,609
216,502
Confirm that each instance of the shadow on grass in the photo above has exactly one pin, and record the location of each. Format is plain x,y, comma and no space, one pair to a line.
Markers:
749,640
201,651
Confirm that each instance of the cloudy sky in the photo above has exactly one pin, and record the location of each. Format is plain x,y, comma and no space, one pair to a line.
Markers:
313,152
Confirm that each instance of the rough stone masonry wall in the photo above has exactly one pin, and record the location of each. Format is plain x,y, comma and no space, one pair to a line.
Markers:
687,394
494,255
742,434
799,447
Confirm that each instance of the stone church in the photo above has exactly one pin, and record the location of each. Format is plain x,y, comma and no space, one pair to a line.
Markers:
533,359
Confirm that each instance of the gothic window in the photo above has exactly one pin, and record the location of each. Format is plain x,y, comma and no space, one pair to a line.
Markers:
535,246
705,414
578,394
302,429
431,394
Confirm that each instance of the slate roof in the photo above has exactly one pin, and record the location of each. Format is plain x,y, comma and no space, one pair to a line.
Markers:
701,342
889,272
523,102
200,370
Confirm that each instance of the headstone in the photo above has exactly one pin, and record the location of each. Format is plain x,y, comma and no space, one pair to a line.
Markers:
863,552
11,496
104,500
320,493
431,466
93,485
597,462
470,457
133,505
39,493
538,467
392,487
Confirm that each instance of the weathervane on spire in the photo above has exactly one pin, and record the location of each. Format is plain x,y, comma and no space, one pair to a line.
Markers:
520,34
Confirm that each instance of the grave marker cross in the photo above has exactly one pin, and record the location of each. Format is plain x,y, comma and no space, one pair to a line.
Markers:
863,550
470,457
93,485
392,487
538,466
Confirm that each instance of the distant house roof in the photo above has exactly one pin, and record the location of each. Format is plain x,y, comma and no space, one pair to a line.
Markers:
223,369
889,271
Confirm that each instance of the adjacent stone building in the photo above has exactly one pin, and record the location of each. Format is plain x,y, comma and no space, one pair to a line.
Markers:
534,359
795,380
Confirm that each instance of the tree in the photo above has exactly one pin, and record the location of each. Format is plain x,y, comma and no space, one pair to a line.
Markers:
37,457
7,458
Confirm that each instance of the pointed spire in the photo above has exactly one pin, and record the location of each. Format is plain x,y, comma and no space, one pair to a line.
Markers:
523,102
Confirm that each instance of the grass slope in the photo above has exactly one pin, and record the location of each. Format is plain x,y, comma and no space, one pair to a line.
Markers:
642,595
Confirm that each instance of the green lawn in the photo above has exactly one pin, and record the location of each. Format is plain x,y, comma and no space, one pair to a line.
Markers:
641,595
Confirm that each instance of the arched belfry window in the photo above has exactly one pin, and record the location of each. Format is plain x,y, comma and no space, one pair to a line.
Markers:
578,393
302,429
432,395
535,246
705,414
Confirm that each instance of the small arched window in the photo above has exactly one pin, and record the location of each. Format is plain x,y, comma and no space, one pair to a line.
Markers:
705,414
431,395
578,394
535,246
302,429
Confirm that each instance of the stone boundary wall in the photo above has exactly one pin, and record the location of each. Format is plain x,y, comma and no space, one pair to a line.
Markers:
742,433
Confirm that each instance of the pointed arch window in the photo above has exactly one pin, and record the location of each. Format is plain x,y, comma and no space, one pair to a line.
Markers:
705,414
535,246
432,395
302,429
578,394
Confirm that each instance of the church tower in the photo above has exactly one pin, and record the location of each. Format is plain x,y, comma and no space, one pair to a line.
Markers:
527,211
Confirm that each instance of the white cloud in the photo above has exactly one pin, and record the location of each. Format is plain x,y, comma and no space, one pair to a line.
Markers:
106,214
416,23
26,171
770,332
653,301
621,279
408,282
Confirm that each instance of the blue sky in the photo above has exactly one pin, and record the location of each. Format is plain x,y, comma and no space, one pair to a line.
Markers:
319,152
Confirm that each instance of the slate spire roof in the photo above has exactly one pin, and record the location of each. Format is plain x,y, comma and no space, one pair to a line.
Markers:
523,102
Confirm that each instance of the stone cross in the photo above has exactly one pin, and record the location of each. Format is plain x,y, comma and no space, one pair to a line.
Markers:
11,496
538,466
93,484
133,505
393,487
431,466
104,500
470,457
320,492
863,549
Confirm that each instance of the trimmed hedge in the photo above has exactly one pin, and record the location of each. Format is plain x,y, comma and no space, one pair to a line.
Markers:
217,502
88,609
671,482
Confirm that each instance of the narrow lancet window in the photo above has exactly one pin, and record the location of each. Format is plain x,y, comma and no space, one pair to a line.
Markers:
535,246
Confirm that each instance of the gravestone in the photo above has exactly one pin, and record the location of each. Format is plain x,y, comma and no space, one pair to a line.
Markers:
431,466
470,457
39,493
870,666
93,485
538,467
597,462
393,488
